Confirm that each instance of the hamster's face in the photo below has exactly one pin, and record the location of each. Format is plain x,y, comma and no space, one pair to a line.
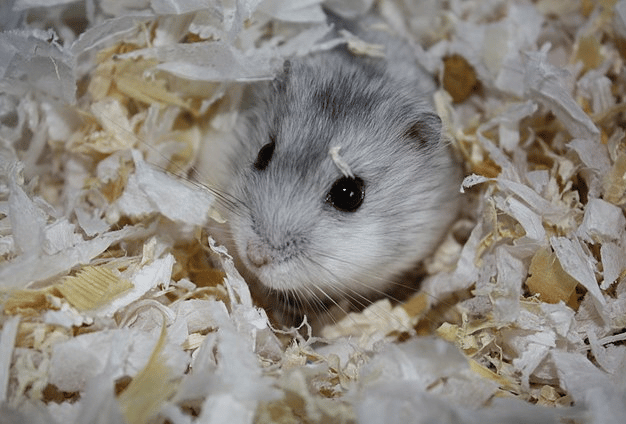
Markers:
306,229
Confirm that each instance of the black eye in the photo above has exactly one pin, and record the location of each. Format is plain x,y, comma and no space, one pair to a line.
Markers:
264,156
346,194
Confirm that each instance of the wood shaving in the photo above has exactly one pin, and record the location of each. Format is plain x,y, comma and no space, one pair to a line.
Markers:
117,306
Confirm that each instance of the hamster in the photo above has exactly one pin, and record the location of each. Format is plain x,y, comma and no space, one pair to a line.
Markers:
314,231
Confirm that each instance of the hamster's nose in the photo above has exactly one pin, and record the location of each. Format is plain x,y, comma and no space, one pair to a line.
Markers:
258,254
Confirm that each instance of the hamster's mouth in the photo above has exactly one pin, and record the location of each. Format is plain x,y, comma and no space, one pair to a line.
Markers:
275,277
276,268
293,304
286,276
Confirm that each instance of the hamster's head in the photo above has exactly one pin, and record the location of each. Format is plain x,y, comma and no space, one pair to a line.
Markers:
305,229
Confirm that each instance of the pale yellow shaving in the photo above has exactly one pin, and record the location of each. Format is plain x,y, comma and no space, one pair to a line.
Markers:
549,280
503,382
150,388
93,287
148,91
615,181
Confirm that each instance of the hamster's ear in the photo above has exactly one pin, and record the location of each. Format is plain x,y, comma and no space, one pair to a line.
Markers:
280,82
426,130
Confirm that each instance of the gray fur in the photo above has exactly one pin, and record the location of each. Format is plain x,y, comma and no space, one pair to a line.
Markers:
379,112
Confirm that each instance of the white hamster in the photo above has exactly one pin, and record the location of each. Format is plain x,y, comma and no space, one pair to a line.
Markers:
313,234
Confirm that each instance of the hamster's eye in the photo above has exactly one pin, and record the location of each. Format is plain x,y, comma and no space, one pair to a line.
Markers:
346,194
265,155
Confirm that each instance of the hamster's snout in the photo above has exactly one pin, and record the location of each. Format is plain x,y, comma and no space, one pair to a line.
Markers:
257,254
261,253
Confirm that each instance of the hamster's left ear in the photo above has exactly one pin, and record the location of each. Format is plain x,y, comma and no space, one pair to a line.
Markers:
287,67
280,82
426,130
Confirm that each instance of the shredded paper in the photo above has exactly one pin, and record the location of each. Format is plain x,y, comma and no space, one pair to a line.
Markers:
117,305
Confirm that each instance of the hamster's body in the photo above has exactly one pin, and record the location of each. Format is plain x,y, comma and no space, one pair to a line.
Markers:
289,231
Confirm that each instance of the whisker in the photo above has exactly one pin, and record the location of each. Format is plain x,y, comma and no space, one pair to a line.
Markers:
378,277
353,295
226,200
326,312
431,315
371,288
319,306
315,296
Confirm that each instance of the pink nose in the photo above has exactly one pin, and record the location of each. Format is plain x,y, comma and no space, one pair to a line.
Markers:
258,254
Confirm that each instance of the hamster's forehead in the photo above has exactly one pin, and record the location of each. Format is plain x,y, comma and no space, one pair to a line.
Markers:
313,110
322,97
322,103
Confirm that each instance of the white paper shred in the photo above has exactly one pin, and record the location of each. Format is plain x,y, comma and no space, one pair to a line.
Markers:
507,42
547,84
506,292
67,317
593,155
395,389
213,61
120,352
472,180
577,264
508,124
237,287
535,201
226,370
27,220
349,8
148,277
602,222
294,10
99,404
91,223
597,87
412,367
20,5
237,384
422,361
311,39
59,236
620,17
36,57
613,263
610,357
591,386
528,219
106,32
31,268
339,162
148,191
7,341
164,7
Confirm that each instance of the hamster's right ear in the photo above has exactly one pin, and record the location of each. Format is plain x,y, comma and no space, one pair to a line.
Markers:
426,130
281,80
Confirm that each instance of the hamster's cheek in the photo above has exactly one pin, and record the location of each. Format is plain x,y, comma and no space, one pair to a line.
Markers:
340,261
352,258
